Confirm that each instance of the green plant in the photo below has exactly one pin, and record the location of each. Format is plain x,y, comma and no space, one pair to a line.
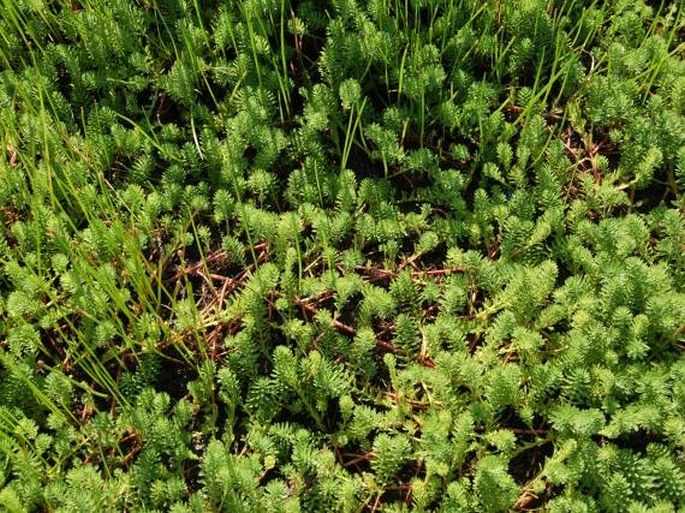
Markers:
342,256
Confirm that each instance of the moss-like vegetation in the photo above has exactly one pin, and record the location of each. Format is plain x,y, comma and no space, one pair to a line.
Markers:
357,256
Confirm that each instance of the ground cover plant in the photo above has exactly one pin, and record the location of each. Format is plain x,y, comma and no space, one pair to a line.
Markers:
357,256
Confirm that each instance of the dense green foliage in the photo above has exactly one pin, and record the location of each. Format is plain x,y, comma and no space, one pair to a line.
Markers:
317,256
